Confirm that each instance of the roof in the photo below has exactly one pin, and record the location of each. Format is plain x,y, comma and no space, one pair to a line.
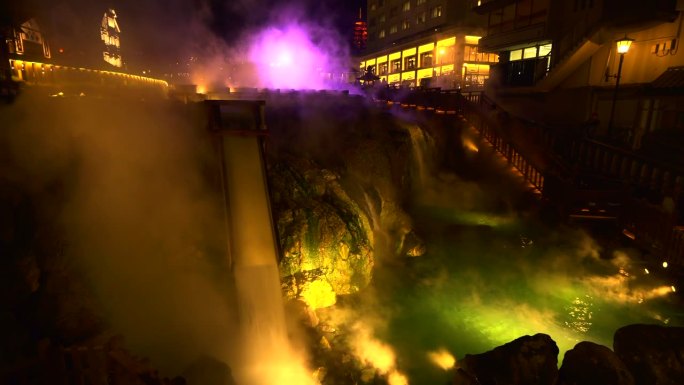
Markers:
672,78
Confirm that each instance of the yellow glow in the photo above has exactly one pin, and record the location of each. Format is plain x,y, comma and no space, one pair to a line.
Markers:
442,358
370,62
409,52
472,39
362,65
646,271
426,47
409,75
381,59
395,56
623,45
665,264
424,73
437,71
447,42
393,78
397,378
673,288
447,68
470,145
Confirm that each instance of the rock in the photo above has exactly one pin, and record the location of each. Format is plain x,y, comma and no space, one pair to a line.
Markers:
653,354
528,360
592,364
208,371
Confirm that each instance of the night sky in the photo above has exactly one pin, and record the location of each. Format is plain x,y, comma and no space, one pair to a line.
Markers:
163,30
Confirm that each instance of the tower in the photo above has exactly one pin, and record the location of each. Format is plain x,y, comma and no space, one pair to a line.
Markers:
360,33
109,32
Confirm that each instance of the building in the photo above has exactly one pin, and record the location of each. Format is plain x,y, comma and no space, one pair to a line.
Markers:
109,32
426,43
559,62
602,81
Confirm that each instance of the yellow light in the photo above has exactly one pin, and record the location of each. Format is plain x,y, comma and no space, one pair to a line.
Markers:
665,264
441,51
443,359
472,39
673,288
624,44
646,271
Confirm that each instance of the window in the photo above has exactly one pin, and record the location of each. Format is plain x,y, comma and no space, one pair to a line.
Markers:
373,7
426,59
396,65
405,24
410,62
393,29
420,19
407,6
436,11
529,52
420,2
382,68
381,18
381,34
516,55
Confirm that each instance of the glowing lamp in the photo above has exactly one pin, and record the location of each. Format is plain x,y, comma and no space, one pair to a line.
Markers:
665,264
623,45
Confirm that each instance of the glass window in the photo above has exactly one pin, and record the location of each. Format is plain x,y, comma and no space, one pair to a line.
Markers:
530,52
382,68
381,18
405,24
396,65
420,2
436,11
410,62
516,55
393,29
406,6
421,18
373,7
544,49
426,59
381,34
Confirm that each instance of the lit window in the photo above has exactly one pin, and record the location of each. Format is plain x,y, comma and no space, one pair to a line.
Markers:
405,24
406,6
381,34
393,29
420,2
530,52
426,59
436,11
516,55
421,18
410,62
396,65
544,49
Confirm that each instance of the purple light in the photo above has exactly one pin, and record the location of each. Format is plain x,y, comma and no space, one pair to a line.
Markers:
286,58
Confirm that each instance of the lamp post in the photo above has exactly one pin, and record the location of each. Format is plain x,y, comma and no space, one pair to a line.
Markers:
622,48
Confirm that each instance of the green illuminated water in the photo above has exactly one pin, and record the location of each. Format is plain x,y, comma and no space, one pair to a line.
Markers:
490,277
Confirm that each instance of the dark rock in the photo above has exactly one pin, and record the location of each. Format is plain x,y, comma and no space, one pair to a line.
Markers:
208,371
653,354
592,364
528,360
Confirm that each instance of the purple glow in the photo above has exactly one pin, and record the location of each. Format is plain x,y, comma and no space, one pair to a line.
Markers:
286,58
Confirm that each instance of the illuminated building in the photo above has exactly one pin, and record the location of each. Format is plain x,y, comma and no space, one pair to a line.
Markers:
426,43
109,32
360,33
27,41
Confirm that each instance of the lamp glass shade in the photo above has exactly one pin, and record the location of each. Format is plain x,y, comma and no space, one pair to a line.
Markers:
623,45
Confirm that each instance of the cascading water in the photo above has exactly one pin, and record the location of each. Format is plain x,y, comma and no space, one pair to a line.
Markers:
422,146
268,356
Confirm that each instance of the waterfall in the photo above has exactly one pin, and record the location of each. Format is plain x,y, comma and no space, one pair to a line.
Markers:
267,354
422,148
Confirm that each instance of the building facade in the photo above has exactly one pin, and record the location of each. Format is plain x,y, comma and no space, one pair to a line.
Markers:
425,43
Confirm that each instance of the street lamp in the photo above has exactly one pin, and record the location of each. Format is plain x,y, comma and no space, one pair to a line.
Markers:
622,48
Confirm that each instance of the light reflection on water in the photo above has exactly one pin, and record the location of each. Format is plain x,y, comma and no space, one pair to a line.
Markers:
481,286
